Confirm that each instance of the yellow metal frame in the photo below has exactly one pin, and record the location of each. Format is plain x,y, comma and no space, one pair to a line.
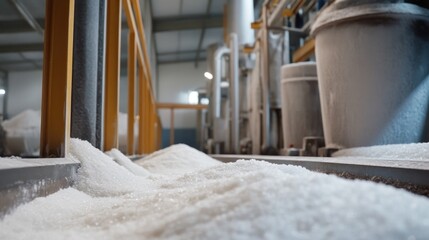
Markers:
111,99
132,60
304,53
174,106
149,133
57,78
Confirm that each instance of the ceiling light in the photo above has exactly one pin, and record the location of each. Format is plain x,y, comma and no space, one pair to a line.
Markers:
208,75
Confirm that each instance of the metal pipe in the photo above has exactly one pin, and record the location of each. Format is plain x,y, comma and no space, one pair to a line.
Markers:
266,138
234,93
220,52
99,136
240,16
85,62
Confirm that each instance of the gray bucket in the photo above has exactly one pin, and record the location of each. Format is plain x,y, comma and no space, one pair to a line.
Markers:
373,69
301,114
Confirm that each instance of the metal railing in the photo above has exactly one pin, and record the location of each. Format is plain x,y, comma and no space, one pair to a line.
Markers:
57,79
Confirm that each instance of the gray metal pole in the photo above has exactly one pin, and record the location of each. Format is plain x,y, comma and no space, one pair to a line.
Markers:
234,93
100,76
85,69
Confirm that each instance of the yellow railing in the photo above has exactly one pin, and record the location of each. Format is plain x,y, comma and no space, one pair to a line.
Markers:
174,106
149,125
57,78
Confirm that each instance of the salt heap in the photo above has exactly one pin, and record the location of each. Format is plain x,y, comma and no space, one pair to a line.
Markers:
242,200
99,175
413,151
124,161
177,159
24,120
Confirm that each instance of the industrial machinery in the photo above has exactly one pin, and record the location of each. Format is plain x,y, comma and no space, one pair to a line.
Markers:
245,98
245,115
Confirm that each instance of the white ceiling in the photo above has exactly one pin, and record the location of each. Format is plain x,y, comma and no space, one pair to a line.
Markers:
173,46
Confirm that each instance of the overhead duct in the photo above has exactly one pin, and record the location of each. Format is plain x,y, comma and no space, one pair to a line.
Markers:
239,17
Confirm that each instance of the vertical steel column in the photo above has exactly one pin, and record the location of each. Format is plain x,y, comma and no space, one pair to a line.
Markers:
132,50
99,141
85,66
234,90
113,48
266,106
57,78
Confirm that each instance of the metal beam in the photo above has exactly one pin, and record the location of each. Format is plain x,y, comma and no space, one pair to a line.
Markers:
20,26
187,23
181,61
203,32
178,53
28,47
17,26
57,77
27,16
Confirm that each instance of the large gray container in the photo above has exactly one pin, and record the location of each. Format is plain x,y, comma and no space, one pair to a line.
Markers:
373,69
301,114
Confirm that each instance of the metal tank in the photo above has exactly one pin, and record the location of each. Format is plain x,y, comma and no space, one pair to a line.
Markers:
373,70
301,114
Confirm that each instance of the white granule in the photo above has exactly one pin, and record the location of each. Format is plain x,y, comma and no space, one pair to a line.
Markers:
241,200
177,159
413,151
124,161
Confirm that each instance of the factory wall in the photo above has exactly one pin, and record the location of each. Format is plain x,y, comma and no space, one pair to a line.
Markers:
24,92
175,82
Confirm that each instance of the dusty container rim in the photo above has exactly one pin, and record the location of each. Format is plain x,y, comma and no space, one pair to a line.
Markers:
299,79
299,64
332,16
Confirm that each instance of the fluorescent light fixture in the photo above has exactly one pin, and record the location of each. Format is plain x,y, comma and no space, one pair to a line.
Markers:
224,84
193,97
208,75
2,92
205,101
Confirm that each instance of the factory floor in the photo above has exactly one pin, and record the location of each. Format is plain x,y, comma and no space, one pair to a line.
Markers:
181,193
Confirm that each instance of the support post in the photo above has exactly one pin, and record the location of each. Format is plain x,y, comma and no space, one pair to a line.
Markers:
171,126
99,140
132,49
85,62
57,78
113,48
140,149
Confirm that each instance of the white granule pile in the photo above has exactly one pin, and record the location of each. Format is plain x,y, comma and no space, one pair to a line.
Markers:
124,161
177,159
412,151
242,200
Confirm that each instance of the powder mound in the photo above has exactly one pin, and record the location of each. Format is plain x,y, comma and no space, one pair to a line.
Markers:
99,175
413,151
124,161
177,159
24,120
241,200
